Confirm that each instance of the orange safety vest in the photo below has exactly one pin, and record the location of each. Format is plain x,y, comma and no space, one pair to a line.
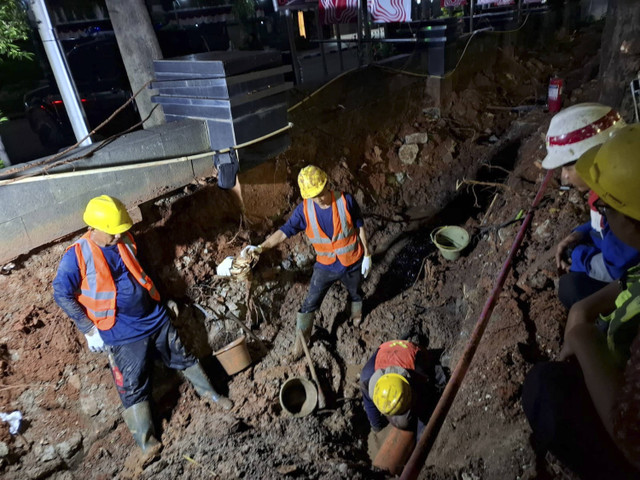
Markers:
396,353
344,244
97,292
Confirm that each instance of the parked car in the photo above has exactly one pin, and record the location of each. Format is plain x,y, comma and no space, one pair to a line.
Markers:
102,83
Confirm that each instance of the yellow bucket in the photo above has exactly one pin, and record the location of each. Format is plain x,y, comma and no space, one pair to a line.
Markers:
450,240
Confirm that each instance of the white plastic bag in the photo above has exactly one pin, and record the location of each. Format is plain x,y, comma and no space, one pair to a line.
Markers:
224,269
13,419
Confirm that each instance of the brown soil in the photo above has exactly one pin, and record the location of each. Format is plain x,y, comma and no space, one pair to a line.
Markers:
72,426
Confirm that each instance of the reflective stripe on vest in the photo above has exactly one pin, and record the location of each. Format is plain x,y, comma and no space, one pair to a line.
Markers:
97,292
344,244
128,249
624,321
396,353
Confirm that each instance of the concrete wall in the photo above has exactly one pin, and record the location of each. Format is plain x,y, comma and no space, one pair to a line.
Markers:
39,210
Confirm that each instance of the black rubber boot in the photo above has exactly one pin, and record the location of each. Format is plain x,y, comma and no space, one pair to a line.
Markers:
195,374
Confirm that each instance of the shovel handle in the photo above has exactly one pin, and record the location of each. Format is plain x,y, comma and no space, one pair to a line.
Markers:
322,401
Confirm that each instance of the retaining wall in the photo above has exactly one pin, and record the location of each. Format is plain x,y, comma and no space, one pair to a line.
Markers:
38,210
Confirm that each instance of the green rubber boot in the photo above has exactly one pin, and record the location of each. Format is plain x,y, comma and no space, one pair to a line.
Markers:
304,322
195,374
356,313
140,424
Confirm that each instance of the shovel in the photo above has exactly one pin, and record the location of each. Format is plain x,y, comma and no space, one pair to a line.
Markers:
322,401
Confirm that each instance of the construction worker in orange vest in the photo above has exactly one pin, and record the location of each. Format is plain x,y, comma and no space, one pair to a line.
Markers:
395,387
333,223
102,287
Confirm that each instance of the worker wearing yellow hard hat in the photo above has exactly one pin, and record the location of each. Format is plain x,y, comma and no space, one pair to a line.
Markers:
591,255
334,225
586,410
397,387
101,286
107,214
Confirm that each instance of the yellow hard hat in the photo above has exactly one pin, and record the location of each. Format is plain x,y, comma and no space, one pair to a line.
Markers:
107,214
612,170
392,394
311,180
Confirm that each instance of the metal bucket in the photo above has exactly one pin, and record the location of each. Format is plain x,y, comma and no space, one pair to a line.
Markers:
235,356
450,240
298,397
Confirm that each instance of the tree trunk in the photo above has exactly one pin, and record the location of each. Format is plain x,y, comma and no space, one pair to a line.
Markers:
139,47
620,55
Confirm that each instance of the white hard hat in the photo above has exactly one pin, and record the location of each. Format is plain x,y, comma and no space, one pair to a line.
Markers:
576,129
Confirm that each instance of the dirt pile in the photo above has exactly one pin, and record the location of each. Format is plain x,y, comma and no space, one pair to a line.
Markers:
354,130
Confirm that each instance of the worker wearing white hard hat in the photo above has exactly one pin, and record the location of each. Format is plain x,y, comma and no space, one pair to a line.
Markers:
591,256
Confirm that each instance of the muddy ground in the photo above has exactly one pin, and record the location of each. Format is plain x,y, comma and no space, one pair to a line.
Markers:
72,426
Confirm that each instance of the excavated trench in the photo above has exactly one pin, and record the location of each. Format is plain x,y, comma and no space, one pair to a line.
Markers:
406,266
411,289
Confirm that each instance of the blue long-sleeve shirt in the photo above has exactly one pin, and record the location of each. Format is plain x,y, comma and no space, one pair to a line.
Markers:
601,255
420,403
298,223
137,314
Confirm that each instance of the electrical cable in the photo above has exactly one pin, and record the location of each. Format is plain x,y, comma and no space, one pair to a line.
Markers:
153,163
406,72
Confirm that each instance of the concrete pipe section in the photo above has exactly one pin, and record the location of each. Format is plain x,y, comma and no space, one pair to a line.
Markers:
298,397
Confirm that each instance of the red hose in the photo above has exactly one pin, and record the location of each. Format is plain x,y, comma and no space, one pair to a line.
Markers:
430,432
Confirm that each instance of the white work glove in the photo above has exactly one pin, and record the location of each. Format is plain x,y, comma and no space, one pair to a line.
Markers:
224,269
249,250
172,308
94,340
366,266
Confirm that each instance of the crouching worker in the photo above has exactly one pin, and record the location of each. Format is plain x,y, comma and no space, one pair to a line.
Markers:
591,256
395,387
102,287
586,410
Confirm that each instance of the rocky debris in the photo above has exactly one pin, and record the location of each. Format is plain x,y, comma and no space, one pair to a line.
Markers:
43,470
89,404
69,447
408,153
287,469
415,138
45,453
64,475
544,230
432,113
